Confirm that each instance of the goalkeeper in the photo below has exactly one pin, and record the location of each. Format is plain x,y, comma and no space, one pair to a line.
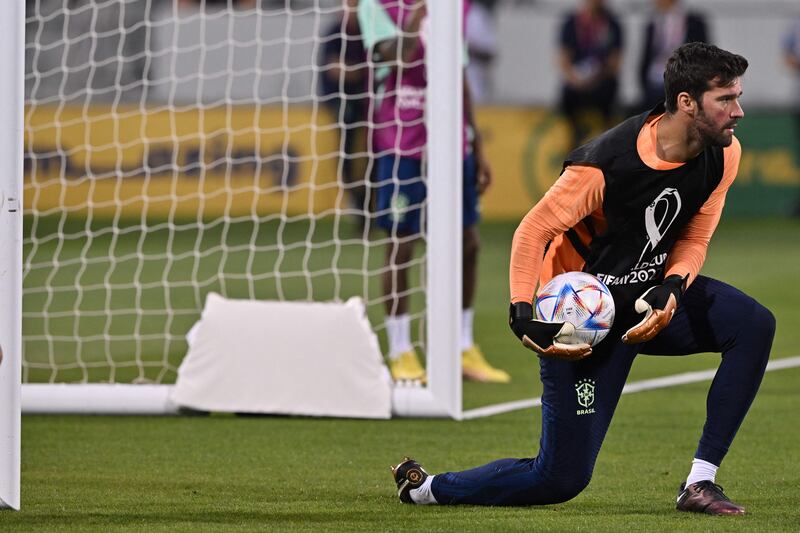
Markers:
393,34
636,206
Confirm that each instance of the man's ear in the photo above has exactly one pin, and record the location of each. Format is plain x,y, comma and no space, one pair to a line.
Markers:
687,104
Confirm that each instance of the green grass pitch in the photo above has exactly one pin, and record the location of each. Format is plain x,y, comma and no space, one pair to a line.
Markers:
276,473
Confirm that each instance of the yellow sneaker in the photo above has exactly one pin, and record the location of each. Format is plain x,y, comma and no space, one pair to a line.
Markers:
407,368
474,366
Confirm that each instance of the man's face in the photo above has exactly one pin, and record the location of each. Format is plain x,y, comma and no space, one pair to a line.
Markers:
719,114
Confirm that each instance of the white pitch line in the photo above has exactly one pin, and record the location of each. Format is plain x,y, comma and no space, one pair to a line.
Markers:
636,386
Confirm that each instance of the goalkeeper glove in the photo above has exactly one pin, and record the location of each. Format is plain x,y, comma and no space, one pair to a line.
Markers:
545,338
658,304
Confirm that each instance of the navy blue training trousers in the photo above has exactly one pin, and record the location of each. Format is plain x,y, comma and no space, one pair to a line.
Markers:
579,399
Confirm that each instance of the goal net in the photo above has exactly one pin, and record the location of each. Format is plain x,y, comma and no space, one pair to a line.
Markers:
174,149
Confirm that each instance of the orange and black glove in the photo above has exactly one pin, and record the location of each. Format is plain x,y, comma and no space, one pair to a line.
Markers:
658,305
545,338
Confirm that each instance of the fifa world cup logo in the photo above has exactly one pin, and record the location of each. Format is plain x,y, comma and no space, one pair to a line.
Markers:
659,216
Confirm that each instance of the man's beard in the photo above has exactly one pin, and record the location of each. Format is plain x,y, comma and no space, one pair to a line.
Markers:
711,135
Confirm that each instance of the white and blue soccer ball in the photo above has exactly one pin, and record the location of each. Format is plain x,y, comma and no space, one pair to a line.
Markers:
580,299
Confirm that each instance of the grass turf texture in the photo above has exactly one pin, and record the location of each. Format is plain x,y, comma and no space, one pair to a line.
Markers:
225,472
159,474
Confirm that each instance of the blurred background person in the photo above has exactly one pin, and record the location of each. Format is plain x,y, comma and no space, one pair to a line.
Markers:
670,25
791,56
482,47
395,34
589,59
343,87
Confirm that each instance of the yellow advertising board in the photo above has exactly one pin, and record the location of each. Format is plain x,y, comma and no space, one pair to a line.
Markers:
525,148
189,162
179,162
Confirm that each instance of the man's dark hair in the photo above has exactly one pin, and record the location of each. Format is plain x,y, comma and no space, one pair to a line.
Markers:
693,67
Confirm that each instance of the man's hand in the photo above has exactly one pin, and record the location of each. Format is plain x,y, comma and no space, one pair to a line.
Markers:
405,49
658,304
419,11
544,337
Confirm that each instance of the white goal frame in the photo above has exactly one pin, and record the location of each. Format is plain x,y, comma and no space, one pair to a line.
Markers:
12,91
442,396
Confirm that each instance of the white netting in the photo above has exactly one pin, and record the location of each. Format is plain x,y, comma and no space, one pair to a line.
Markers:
172,150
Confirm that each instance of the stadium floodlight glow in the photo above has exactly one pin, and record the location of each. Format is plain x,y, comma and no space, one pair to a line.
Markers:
173,151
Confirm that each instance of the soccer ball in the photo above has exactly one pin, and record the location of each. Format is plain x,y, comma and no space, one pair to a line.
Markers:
580,299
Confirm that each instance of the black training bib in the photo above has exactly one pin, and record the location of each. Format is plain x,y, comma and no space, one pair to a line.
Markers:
645,209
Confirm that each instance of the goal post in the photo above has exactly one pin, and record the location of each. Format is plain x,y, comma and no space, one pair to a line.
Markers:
12,47
175,151
445,112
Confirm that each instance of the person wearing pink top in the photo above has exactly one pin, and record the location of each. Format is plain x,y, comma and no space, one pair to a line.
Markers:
393,32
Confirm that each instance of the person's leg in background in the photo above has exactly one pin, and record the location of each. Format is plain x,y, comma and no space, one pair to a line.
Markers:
400,197
474,365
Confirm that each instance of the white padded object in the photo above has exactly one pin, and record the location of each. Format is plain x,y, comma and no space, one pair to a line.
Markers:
295,358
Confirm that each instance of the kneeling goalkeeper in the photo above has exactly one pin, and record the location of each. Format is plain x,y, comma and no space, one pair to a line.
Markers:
636,207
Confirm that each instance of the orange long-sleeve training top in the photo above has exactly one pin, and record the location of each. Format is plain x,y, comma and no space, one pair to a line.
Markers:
578,193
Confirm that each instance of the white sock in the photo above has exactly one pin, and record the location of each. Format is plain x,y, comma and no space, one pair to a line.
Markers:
423,495
398,329
466,329
701,470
